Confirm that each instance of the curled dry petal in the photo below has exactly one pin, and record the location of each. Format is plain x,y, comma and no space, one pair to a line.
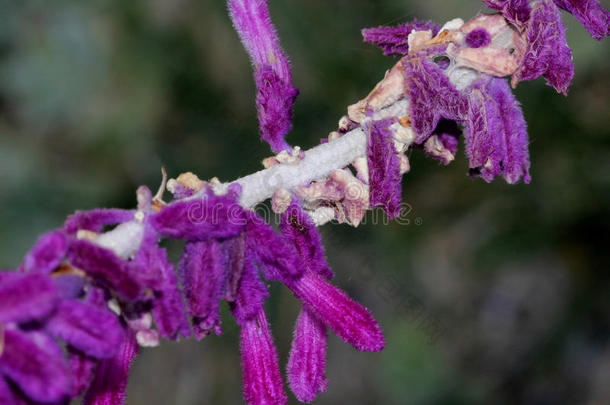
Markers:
348,319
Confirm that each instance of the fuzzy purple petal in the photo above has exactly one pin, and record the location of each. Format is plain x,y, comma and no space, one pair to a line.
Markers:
261,373
432,97
96,219
277,258
591,14
7,396
234,250
307,362
251,292
93,330
393,40
204,278
110,380
298,228
34,362
26,297
69,285
348,319
212,216
105,267
517,12
384,168
276,94
548,53
83,368
47,253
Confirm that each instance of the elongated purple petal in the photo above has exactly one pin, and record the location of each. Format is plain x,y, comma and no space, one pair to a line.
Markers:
106,267
26,297
261,372
276,94
93,330
235,252
110,380
47,253
204,278
384,168
298,228
83,368
393,40
432,97
213,216
251,292
34,362
277,258
348,319
96,219
548,53
307,362
591,14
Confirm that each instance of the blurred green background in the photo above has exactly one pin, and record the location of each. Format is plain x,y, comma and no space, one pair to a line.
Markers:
492,294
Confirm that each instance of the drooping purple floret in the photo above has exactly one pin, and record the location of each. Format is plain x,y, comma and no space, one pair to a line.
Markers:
250,294
393,40
47,253
591,14
276,94
35,364
298,228
548,53
384,168
204,277
277,258
26,297
348,319
83,369
105,267
211,216
93,330
478,38
432,97
496,135
307,361
96,219
262,381
110,381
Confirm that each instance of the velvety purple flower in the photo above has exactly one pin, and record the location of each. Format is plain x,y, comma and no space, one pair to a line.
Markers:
478,38
393,40
104,266
110,380
26,297
47,253
548,53
95,220
211,216
432,97
591,14
307,361
276,257
276,94
34,362
384,168
250,294
83,369
348,319
517,12
262,381
204,277
496,134
298,228
93,330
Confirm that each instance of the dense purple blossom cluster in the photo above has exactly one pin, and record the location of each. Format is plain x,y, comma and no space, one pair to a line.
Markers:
73,315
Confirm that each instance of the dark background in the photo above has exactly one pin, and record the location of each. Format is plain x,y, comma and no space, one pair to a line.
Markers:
491,294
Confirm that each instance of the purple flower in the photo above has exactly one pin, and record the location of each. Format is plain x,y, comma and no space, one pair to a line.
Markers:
591,14
298,228
384,168
261,372
47,253
478,38
26,297
96,219
276,94
251,292
393,40
517,12
496,134
110,380
307,362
